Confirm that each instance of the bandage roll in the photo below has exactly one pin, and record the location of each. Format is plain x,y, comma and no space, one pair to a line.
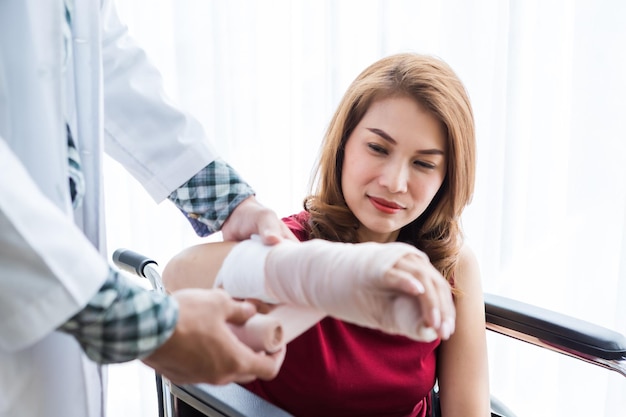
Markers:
261,333
296,320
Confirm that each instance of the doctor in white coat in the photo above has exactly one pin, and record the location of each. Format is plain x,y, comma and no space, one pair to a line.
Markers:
71,63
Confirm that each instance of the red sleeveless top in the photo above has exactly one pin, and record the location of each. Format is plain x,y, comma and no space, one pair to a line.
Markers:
337,369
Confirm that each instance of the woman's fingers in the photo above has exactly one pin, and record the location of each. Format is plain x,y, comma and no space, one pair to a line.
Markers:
435,298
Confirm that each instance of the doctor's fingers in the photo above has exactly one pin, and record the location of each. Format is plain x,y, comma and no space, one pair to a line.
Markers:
219,359
257,365
252,218
232,365
204,349
272,230
236,362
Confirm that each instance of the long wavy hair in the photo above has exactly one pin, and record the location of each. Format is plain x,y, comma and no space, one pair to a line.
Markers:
433,84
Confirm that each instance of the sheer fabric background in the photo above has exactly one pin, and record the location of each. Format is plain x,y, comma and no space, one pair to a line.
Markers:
547,82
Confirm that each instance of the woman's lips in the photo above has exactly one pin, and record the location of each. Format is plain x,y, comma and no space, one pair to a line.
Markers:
385,206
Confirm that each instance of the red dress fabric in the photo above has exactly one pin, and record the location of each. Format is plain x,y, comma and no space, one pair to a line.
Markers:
337,369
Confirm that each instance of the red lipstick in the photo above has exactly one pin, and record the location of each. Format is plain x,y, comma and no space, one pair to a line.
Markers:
385,206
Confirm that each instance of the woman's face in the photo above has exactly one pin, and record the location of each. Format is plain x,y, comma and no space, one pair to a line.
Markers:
394,164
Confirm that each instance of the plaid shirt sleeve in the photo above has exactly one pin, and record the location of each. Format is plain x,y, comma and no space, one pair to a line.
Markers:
123,321
210,196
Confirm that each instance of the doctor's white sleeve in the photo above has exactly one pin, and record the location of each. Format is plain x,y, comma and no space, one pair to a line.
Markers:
165,149
48,268
160,145
51,277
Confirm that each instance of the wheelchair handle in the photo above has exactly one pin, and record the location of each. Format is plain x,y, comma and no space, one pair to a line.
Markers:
131,261
138,264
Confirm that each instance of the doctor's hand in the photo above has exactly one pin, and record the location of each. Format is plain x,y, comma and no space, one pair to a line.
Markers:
204,349
252,218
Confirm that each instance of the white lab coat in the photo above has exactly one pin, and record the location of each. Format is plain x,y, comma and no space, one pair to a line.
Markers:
51,259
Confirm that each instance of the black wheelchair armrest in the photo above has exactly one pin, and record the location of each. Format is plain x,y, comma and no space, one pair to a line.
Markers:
230,400
556,332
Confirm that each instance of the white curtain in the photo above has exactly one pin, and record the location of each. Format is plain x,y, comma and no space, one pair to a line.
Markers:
547,81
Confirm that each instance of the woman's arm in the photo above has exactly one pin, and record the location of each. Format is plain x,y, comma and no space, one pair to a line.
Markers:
462,367
196,266
397,288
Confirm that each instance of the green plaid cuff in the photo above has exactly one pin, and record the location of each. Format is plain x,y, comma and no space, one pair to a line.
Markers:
123,321
210,196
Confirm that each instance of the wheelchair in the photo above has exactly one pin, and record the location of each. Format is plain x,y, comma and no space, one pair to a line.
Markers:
523,322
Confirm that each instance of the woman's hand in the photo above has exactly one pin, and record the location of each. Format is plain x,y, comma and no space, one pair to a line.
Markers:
434,300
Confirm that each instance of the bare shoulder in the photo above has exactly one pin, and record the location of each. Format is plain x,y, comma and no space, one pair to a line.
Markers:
467,274
468,263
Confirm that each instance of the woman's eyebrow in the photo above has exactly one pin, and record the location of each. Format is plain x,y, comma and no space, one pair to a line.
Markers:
385,136
431,152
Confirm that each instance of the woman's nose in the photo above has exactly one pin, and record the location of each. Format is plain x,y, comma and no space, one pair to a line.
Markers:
394,177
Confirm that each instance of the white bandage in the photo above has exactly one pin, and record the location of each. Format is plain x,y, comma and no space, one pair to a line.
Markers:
300,272
343,280
347,282
242,274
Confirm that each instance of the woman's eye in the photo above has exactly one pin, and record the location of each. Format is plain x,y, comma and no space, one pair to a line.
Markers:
377,148
424,164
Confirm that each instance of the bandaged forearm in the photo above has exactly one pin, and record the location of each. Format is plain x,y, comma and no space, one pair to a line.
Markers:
123,322
344,280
